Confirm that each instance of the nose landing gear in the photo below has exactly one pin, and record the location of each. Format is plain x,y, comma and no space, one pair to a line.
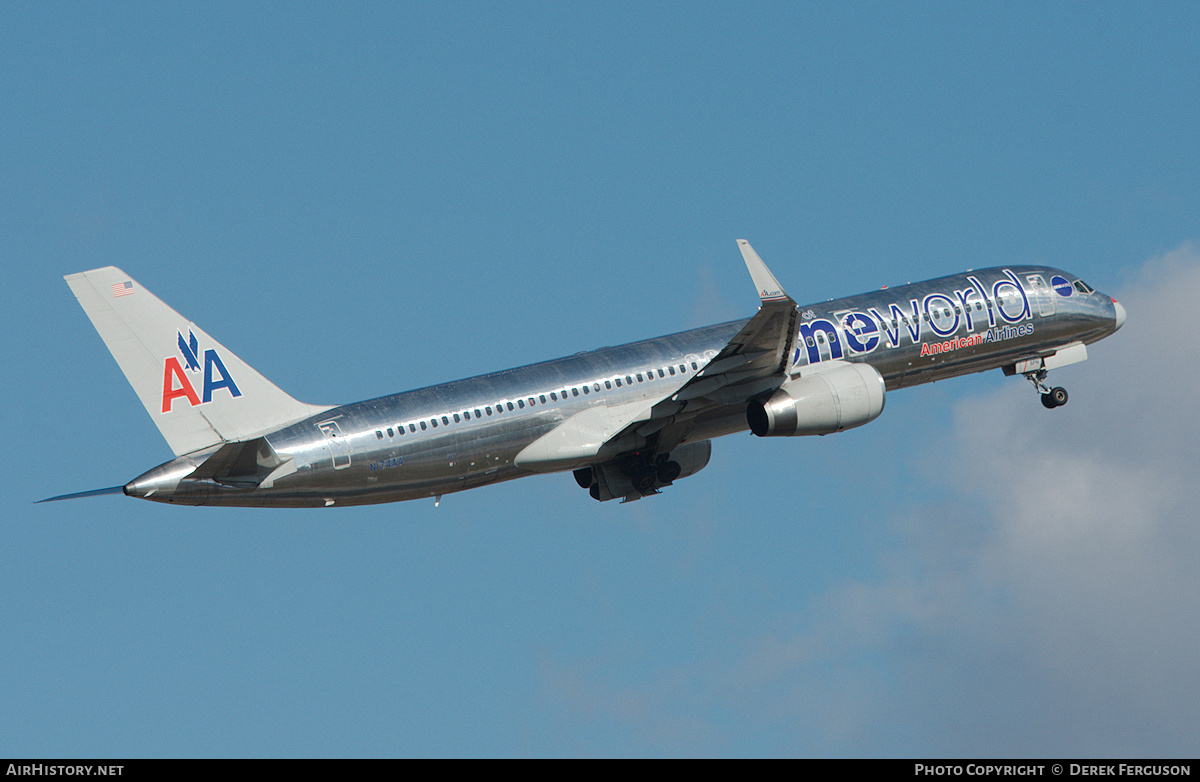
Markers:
1051,397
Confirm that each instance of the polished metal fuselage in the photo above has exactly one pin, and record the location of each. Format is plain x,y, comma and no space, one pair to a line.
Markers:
468,433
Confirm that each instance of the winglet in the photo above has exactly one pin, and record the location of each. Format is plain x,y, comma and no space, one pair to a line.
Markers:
769,288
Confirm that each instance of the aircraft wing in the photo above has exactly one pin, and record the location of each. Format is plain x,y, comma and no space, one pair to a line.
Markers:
753,362
757,353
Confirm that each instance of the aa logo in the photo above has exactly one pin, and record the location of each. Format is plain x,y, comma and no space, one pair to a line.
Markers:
177,384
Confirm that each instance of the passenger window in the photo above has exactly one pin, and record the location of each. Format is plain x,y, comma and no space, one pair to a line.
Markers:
639,377
809,341
531,402
378,435
608,384
479,415
671,370
585,389
412,427
553,396
457,420
660,373
467,414
542,398
400,430
520,404
682,369
423,426
618,382
488,409
574,392
390,432
596,387
694,367
628,380
434,422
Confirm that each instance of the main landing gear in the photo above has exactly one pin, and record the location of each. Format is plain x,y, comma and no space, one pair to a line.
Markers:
648,472
644,472
1051,397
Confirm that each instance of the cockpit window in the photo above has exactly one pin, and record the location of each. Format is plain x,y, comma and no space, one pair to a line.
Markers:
1083,287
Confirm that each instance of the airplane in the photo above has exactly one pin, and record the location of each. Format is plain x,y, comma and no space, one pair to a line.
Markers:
627,420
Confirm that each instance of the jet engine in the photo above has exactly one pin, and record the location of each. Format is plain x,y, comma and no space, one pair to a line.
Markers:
822,401
634,476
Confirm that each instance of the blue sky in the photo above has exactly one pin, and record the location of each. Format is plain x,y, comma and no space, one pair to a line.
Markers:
360,199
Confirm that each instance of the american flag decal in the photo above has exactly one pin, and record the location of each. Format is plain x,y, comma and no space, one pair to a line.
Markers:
120,289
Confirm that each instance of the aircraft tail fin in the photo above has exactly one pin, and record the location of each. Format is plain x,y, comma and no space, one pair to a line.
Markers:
198,392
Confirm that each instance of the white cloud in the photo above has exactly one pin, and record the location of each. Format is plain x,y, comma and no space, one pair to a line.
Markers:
1093,538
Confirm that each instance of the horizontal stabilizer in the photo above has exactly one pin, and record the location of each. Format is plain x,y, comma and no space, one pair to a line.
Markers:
78,494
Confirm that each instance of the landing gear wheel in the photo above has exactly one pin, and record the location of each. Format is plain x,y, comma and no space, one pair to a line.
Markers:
1055,397
1051,397
644,482
668,472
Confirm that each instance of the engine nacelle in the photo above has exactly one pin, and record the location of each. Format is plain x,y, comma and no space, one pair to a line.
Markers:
822,401
633,477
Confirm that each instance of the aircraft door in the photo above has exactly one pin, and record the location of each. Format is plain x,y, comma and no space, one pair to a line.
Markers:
1045,299
336,442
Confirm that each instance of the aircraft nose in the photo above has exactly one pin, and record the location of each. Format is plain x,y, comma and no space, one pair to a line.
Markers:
1120,313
